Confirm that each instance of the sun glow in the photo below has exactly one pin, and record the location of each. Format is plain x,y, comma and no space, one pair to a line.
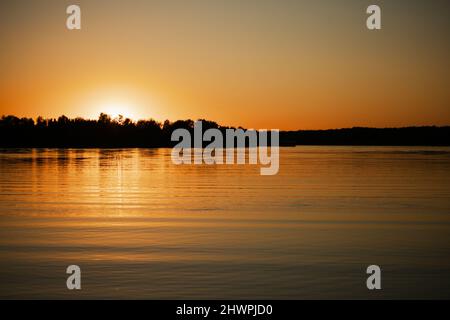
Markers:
118,101
115,104
118,108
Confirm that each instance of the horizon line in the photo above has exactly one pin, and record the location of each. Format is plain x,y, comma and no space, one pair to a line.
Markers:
120,118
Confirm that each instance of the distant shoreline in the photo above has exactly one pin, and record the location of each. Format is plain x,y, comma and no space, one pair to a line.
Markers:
167,147
124,133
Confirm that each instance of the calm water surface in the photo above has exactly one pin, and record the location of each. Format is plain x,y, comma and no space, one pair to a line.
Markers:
141,227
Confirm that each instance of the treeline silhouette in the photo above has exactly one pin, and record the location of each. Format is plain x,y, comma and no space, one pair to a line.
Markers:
123,132
84,133
358,136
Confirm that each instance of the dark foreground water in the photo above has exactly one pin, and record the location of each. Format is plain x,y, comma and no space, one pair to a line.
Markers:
141,227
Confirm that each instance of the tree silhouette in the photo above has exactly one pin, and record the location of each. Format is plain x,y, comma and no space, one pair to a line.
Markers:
120,132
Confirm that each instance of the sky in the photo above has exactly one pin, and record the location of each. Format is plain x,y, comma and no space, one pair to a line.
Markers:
278,64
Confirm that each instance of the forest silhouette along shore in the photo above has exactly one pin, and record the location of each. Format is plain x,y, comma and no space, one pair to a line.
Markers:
123,132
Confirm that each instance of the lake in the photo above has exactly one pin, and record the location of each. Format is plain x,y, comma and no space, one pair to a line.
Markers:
141,227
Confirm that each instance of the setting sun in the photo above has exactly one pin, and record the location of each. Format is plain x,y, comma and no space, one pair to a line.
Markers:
117,108
117,100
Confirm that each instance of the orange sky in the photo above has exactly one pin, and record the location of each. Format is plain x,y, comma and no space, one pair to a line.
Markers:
258,64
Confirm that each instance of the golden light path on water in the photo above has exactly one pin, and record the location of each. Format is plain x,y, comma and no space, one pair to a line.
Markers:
141,227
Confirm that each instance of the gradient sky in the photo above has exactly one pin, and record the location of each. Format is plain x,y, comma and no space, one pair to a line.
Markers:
260,64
